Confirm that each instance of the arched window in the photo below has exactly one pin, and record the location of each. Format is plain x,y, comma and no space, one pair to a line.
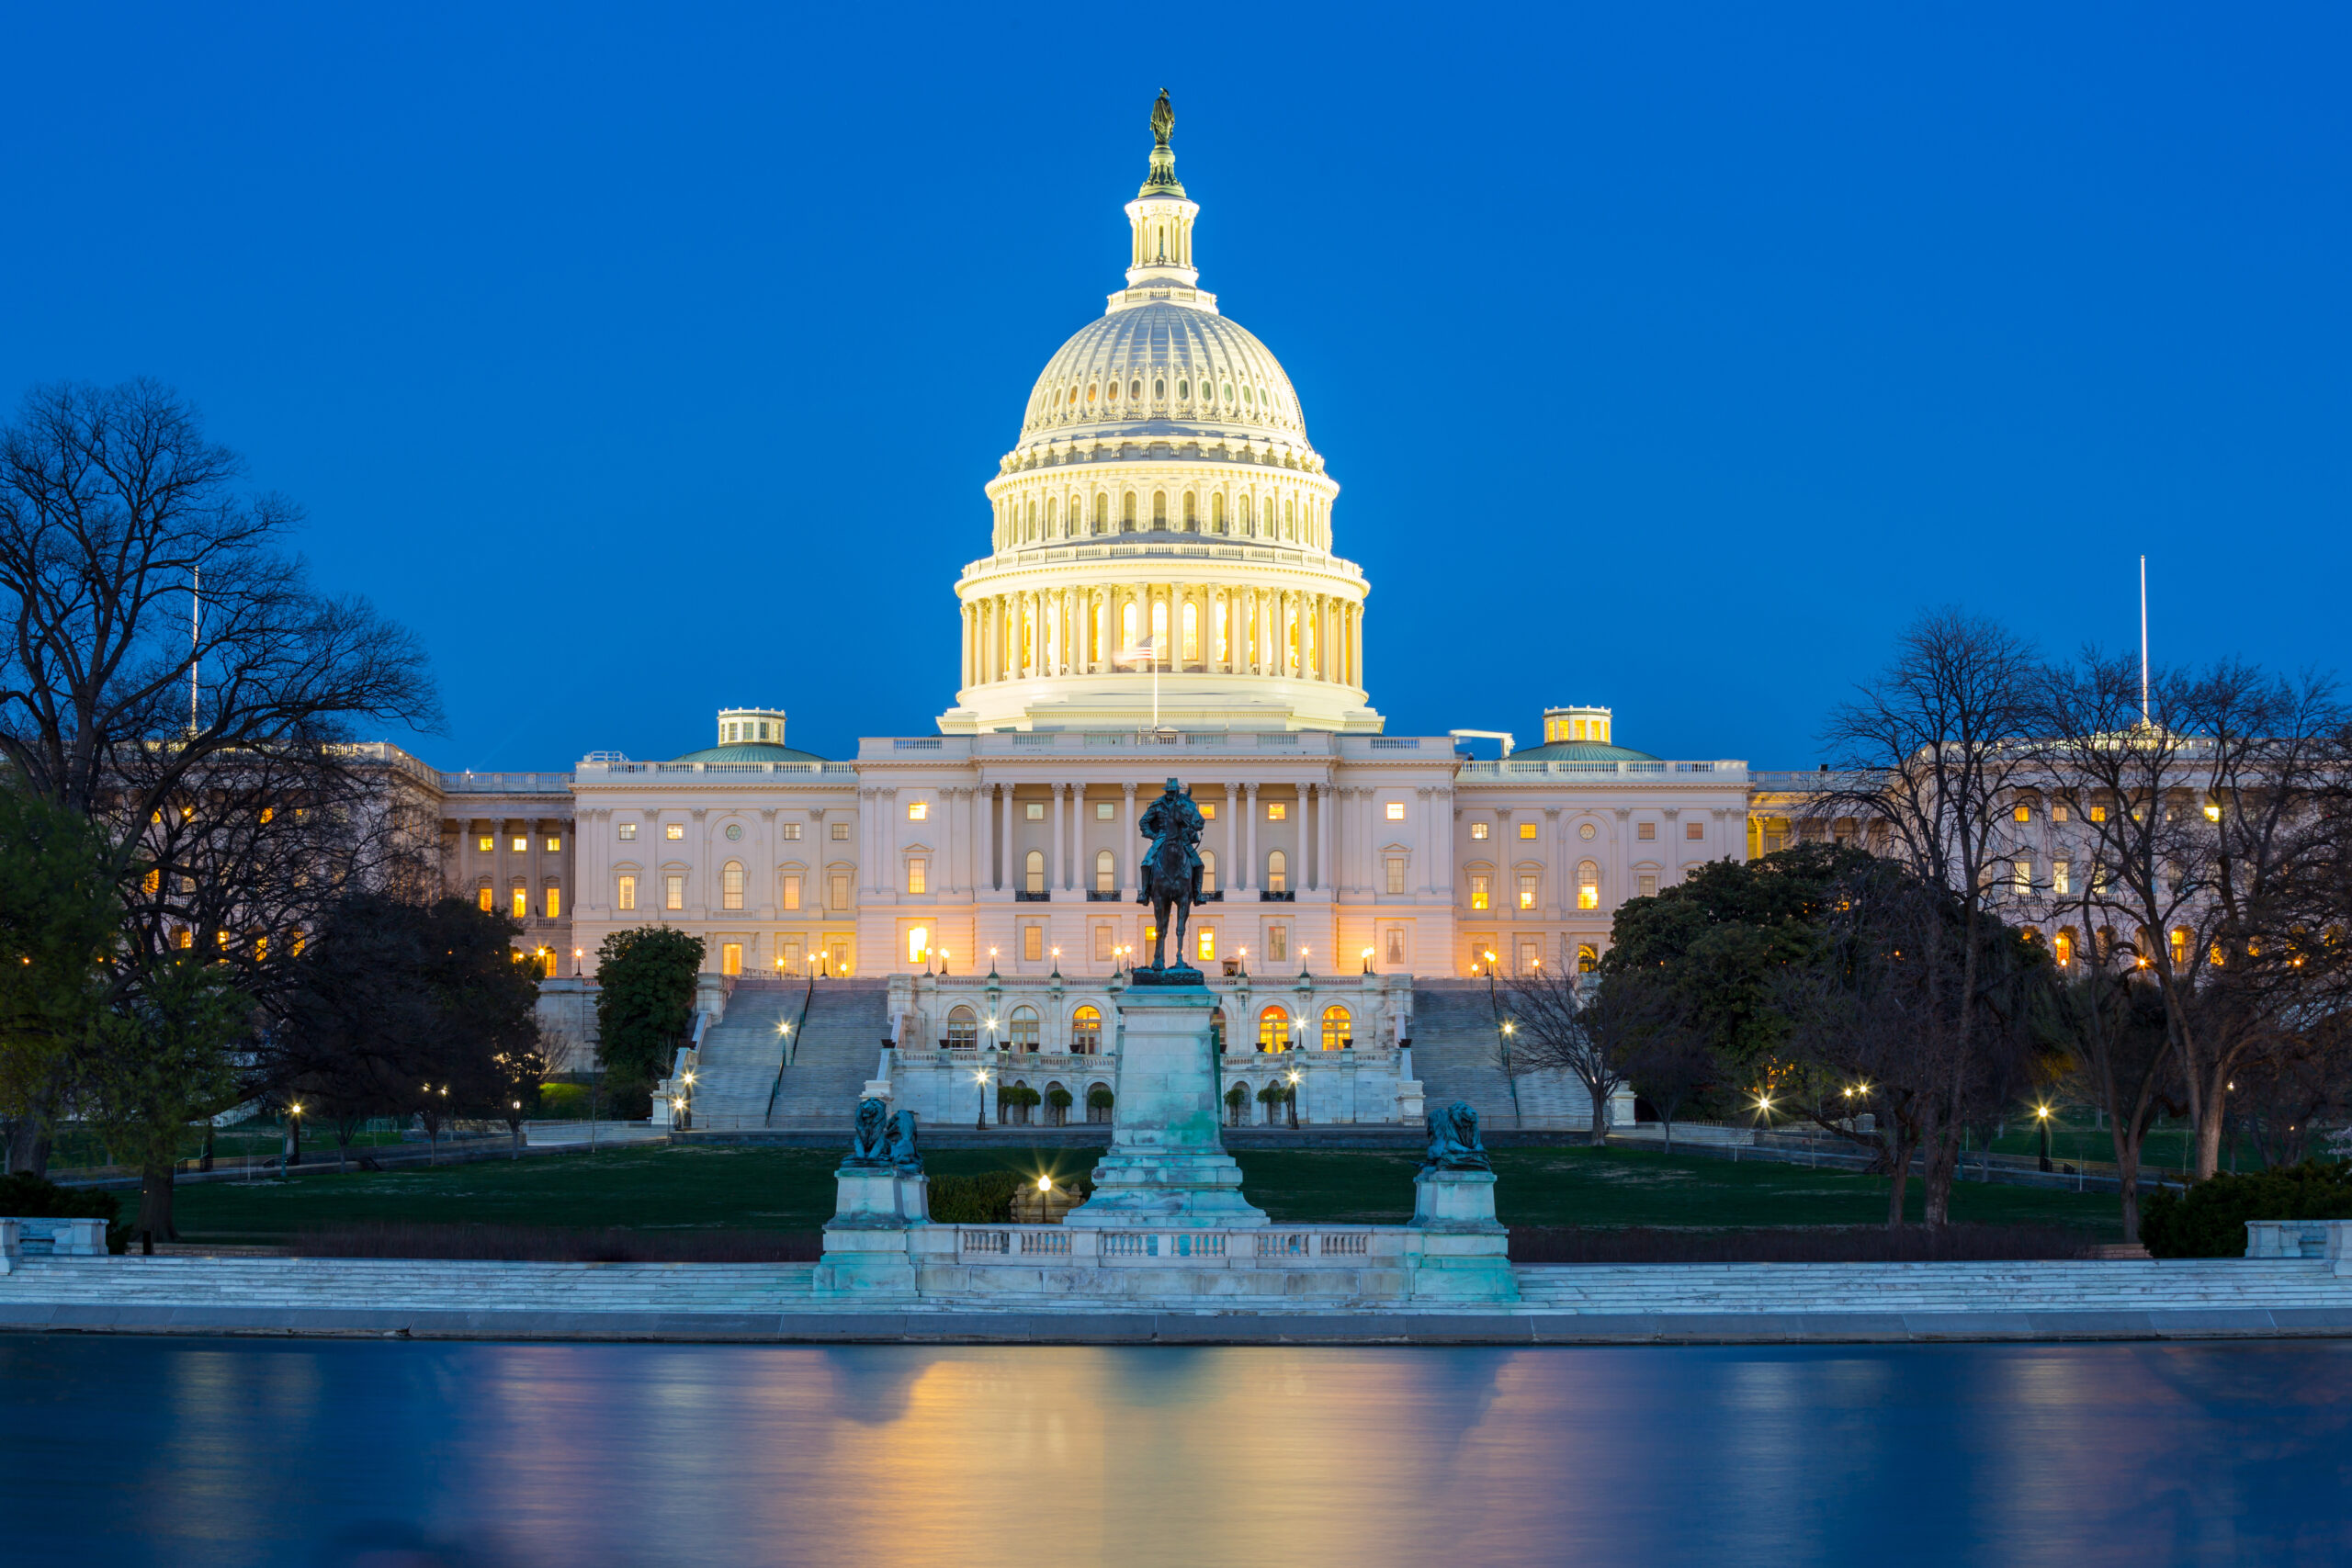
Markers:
1159,508
487,897
2061,945
1183,390
1588,959
1588,885
1129,515
1024,1028
1053,514
1217,503
1033,870
1277,872
1290,520
963,1029
1159,388
1086,1031
521,902
1192,619
1134,387
1127,626
1274,1030
1189,514
1102,513
1113,393
1337,1033
1106,872
1209,871
730,886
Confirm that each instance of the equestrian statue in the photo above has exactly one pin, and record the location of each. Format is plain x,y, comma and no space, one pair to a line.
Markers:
1170,879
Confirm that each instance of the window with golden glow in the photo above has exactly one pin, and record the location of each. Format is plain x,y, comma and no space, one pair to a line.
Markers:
1277,810
2062,877
486,845
1527,892
1339,1029
1033,872
918,874
1526,829
1086,1030
1588,885
1208,811
1477,890
1206,946
2023,814
627,831
1033,943
1106,872
1274,1030
673,830
486,898
2098,813
841,832
522,902
2021,878
1208,872
1477,829
1277,872
918,810
1588,959
674,892
1395,811
917,944
792,892
555,844
522,844
731,958
625,893
554,902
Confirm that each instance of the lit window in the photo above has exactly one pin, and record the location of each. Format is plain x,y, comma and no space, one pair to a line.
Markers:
1694,830
1207,945
1587,960
1032,948
1645,831
1033,872
1395,811
1477,829
731,958
792,830
1527,893
837,956
918,810
918,875
730,886
2180,945
522,902
1526,829
2021,878
838,889
1274,1030
674,892
555,844
2058,813
1477,890
2098,813
1585,830
2063,945
792,892
2062,877
1396,873
1106,872
1647,884
1208,811
486,898
555,903
2023,814
917,944
486,843
841,832
1276,810
1277,872
1034,810
1086,1030
1102,811
628,832
626,896
522,843
1588,885
674,830
1338,1031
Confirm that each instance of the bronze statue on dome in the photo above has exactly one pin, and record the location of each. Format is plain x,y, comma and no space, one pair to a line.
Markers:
1163,118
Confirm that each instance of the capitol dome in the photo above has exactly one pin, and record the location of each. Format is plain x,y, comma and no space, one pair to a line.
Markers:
1160,542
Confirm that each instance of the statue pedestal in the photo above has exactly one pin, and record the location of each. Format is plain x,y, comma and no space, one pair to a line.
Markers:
1167,1164
1458,1252
865,1241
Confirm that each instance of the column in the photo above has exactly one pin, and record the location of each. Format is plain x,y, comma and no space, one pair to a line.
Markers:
1323,878
1076,836
1232,866
1053,854
1128,880
1248,877
1432,843
1004,835
885,830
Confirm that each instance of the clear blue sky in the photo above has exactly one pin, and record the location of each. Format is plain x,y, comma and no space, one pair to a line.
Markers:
650,359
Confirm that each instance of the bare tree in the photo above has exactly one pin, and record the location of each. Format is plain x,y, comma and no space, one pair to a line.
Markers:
1589,1025
1934,749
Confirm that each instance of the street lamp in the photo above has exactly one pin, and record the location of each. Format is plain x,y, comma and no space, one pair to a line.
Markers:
577,971
943,961
1368,961
1292,1096
2041,1115
1301,963
980,1099
293,1144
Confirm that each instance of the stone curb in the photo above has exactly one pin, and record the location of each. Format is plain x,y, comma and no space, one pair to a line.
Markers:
933,1327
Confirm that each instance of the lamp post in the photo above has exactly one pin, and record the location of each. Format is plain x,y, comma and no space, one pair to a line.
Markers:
980,1099
290,1150
686,1101
580,972
1292,1078
1368,961
2041,1115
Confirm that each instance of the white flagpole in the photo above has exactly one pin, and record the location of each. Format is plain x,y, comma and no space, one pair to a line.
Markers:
2143,640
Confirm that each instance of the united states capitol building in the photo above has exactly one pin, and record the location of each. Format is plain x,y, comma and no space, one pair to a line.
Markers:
1162,594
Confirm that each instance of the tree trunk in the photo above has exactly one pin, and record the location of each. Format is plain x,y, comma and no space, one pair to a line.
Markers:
2207,1146
1600,1114
2127,1176
1943,1169
155,1203
1898,1184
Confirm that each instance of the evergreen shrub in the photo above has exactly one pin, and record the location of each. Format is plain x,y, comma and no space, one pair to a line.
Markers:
27,1196
2209,1221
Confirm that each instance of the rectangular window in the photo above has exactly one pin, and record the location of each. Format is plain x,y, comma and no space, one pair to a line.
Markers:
1208,811
522,902
837,956
841,832
1694,830
1396,873
486,898
1477,890
555,844
1101,945
792,830
628,832
1646,883
1278,943
486,843
730,886
1033,943
626,895
522,843
918,875
790,954
674,831
1033,810
1395,811
2058,812
2098,813
1395,946
837,890
1207,947
1527,893
1526,829
918,810
2021,878
2062,877
555,903
1277,810
674,892
792,892
1102,811
1477,829
2023,814
1645,831
731,958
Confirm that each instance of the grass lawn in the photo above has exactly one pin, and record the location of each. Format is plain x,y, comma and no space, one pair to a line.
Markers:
792,1189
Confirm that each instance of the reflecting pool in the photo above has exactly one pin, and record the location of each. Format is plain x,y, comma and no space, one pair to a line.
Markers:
192,1452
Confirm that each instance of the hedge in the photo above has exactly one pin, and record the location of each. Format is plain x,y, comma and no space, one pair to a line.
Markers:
2210,1222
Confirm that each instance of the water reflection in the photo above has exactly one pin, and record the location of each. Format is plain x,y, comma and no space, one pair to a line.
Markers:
136,1451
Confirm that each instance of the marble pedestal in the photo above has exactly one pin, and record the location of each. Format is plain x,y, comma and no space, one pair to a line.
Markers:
1167,1164
1462,1253
866,1252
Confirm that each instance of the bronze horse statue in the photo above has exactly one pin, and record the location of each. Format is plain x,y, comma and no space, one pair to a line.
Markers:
1171,873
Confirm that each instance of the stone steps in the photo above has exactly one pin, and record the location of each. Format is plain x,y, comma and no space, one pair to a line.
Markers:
841,1046
1453,1054
740,1057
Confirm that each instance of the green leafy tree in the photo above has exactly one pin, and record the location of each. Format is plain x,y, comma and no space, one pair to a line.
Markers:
169,1059
644,1005
60,922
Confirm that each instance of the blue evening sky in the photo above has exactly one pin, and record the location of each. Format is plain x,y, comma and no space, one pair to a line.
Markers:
647,359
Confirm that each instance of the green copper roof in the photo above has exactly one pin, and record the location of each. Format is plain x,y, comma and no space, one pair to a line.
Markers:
748,752
1580,751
